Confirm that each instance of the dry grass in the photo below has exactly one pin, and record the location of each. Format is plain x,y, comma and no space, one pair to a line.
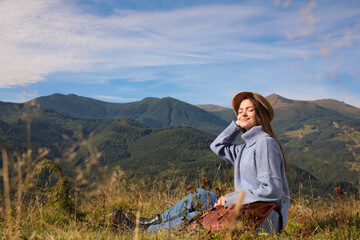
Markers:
334,218
60,211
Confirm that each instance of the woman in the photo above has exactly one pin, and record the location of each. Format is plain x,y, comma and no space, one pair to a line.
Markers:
259,170
259,164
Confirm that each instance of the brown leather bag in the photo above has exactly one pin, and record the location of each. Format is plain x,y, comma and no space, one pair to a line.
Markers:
216,218
222,218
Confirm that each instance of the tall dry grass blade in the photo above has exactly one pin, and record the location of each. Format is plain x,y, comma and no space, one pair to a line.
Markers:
29,166
19,194
57,230
234,222
5,161
239,203
217,172
137,225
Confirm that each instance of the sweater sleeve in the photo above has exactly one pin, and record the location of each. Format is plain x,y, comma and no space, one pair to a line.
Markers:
223,146
269,163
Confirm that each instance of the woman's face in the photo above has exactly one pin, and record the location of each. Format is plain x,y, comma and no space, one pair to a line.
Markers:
247,115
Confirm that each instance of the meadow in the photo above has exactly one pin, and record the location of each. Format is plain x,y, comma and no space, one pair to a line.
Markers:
58,209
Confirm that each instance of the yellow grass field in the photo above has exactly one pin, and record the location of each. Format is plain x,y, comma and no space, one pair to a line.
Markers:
55,213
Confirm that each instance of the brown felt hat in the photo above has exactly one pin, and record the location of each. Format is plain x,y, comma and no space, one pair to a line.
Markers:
241,96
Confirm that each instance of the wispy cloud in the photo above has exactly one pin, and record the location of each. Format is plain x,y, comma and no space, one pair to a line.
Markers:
116,98
42,37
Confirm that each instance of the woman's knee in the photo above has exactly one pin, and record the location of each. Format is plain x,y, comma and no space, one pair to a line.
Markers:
201,192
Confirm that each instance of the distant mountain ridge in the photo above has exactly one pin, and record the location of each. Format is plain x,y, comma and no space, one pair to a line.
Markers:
153,112
149,107
278,101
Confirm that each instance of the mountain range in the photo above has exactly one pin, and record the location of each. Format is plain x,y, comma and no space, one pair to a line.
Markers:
153,112
167,137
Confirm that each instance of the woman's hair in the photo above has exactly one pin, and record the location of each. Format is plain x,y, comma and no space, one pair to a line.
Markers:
263,118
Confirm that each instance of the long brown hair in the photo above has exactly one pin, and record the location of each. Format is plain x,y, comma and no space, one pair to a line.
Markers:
263,118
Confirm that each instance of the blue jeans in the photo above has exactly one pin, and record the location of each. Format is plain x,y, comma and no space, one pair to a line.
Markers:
173,217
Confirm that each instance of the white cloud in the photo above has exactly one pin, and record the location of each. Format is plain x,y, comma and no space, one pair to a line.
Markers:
37,38
40,37
116,98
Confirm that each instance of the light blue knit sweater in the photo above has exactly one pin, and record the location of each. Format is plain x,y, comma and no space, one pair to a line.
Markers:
259,168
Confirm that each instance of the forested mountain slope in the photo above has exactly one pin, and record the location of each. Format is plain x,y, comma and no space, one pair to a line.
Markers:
153,112
318,141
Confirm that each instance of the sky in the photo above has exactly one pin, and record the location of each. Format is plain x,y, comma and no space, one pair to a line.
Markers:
197,51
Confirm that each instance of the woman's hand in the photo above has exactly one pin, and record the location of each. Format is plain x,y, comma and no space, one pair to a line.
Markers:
220,202
237,123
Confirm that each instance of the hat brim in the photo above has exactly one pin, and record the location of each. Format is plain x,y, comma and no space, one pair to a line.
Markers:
242,95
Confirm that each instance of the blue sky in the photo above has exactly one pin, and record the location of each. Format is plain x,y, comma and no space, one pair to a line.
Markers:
200,52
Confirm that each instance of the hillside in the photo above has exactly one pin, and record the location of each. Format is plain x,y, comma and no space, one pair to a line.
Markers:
317,140
340,107
123,142
211,107
153,112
